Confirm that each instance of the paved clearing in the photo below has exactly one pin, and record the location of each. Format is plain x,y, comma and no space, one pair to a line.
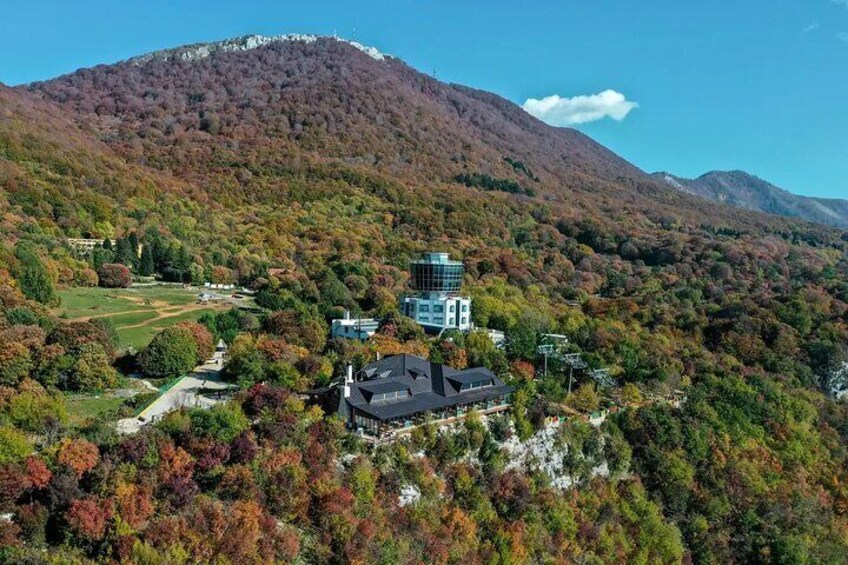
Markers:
202,388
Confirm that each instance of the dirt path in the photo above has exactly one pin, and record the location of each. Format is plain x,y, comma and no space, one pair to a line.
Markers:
162,312
161,315
146,305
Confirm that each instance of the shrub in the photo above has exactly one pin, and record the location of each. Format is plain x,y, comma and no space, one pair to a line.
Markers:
115,275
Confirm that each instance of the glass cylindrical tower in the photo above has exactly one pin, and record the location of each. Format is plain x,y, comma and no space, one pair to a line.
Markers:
435,272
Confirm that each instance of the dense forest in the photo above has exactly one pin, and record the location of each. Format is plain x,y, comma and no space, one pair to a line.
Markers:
312,174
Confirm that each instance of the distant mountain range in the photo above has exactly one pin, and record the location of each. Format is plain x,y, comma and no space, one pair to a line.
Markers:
743,190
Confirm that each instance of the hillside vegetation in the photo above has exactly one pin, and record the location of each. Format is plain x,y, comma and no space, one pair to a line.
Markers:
312,173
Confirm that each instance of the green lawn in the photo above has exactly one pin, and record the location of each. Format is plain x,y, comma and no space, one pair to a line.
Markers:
140,336
137,313
83,407
95,301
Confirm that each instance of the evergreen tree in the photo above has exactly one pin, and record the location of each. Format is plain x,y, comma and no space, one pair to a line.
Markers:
160,250
107,244
132,243
124,253
182,262
34,280
146,266
100,256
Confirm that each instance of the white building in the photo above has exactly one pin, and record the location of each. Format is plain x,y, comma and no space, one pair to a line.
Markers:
432,310
354,328
437,303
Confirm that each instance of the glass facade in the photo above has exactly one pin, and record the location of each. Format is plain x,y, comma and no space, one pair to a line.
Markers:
437,283
432,276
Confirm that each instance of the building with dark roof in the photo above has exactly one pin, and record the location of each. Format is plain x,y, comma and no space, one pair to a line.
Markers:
403,391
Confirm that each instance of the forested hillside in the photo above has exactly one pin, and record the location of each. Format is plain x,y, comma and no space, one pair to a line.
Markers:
312,173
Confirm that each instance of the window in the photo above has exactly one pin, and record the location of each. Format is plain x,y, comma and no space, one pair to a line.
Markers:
438,320
438,308
476,384
424,318
389,395
464,320
424,308
465,307
451,320
452,308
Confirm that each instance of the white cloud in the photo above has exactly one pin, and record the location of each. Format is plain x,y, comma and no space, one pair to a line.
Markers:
559,111
811,27
843,36
841,2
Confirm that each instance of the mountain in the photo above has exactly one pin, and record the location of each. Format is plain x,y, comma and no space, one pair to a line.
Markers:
212,113
743,190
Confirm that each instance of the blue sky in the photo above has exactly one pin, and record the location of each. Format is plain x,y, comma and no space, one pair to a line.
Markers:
759,85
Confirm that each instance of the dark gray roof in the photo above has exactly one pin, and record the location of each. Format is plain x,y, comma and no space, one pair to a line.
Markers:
431,386
471,376
384,386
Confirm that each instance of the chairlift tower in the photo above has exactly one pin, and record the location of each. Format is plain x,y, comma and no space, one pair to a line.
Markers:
574,361
545,350
603,378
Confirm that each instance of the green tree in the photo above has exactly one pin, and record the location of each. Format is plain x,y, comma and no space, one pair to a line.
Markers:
35,410
245,364
146,265
13,445
482,352
196,274
172,352
222,422
34,280
101,256
585,398
93,370
522,340
125,253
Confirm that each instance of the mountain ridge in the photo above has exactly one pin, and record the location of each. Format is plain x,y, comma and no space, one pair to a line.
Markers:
744,190
204,49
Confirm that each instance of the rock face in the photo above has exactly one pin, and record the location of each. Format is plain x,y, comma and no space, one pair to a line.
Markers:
742,190
245,43
546,452
835,382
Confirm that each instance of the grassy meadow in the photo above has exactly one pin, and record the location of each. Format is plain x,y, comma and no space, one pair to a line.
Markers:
137,312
